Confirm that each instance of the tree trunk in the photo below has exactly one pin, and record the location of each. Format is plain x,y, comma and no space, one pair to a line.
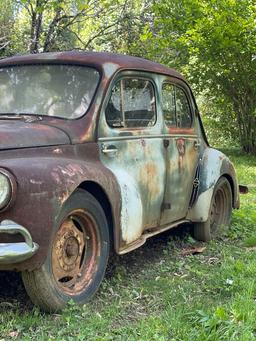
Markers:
246,120
36,26
49,39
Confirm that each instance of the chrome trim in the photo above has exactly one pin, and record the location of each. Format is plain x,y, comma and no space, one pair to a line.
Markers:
12,189
16,252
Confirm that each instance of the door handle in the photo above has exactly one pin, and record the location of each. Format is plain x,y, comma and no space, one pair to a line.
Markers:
197,144
109,149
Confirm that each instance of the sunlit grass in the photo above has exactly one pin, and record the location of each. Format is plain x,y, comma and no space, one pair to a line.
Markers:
156,293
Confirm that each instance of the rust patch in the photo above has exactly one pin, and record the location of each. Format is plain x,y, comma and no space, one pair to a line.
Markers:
75,252
149,178
151,170
180,143
188,131
54,178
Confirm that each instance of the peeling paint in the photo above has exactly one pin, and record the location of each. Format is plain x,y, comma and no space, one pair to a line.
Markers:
36,182
200,211
214,165
109,69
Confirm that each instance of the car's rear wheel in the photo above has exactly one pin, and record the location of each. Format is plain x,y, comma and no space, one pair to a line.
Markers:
220,213
77,256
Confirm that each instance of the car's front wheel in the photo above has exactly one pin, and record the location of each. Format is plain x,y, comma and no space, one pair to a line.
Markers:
220,212
77,257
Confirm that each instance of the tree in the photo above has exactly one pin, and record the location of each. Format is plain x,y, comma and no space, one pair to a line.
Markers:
214,42
7,11
50,25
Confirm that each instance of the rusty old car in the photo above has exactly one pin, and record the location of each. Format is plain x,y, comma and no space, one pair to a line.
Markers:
99,151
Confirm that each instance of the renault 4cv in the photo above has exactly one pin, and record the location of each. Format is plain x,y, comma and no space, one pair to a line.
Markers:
99,151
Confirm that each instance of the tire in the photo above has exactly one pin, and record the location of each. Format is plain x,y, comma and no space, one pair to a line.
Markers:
77,256
220,213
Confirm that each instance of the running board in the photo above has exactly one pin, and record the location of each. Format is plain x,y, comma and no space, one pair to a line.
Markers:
150,233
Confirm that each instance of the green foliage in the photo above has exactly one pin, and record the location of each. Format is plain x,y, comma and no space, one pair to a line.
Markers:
221,128
7,13
214,43
50,25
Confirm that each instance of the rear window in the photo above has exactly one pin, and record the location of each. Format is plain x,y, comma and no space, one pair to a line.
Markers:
64,91
177,112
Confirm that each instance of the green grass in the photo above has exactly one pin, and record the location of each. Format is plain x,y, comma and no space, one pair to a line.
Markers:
156,293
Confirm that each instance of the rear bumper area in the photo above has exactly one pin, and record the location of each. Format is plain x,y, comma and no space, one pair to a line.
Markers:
16,252
243,189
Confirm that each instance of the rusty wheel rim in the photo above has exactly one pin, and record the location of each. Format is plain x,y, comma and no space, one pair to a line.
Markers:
219,210
75,252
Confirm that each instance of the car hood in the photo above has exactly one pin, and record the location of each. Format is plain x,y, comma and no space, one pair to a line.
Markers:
20,134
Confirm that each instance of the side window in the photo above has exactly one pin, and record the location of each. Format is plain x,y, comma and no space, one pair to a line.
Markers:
183,113
176,109
114,115
132,104
168,100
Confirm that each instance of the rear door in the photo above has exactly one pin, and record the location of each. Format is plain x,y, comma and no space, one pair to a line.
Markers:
131,147
182,149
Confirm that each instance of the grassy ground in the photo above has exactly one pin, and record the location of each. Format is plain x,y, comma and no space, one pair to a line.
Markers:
157,292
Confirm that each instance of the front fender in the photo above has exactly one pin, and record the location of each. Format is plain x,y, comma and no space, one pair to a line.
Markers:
45,180
214,164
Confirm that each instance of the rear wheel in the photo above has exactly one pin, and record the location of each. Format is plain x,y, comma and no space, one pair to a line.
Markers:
220,212
77,256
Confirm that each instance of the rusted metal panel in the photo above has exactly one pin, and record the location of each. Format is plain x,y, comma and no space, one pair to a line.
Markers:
182,155
46,178
94,59
181,163
14,135
214,164
139,167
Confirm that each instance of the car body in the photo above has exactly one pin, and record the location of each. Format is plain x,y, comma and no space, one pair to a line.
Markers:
119,131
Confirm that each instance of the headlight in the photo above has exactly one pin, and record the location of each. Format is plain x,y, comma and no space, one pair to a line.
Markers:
6,188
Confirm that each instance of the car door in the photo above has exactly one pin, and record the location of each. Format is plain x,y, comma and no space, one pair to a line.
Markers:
182,149
131,147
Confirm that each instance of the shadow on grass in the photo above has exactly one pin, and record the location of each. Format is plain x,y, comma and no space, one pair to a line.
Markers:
12,292
150,252
13,295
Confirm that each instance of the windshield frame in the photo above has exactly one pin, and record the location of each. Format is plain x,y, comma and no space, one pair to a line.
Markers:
60,63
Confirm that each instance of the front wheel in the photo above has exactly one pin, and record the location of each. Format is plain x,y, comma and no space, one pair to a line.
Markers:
220,212
77,257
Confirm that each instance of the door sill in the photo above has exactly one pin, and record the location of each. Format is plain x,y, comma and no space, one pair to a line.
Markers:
150,233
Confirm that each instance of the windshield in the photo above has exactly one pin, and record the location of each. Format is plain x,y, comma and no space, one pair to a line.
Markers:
64,91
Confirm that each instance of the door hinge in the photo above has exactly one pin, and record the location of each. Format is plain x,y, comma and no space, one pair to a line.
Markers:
196,183
165,206
166,143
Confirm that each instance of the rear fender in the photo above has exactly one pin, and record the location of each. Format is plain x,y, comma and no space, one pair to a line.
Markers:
214,164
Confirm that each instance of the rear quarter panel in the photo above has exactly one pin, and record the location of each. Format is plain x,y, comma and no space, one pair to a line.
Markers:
213,165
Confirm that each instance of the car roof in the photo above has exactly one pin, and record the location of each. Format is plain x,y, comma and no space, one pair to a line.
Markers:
95,59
